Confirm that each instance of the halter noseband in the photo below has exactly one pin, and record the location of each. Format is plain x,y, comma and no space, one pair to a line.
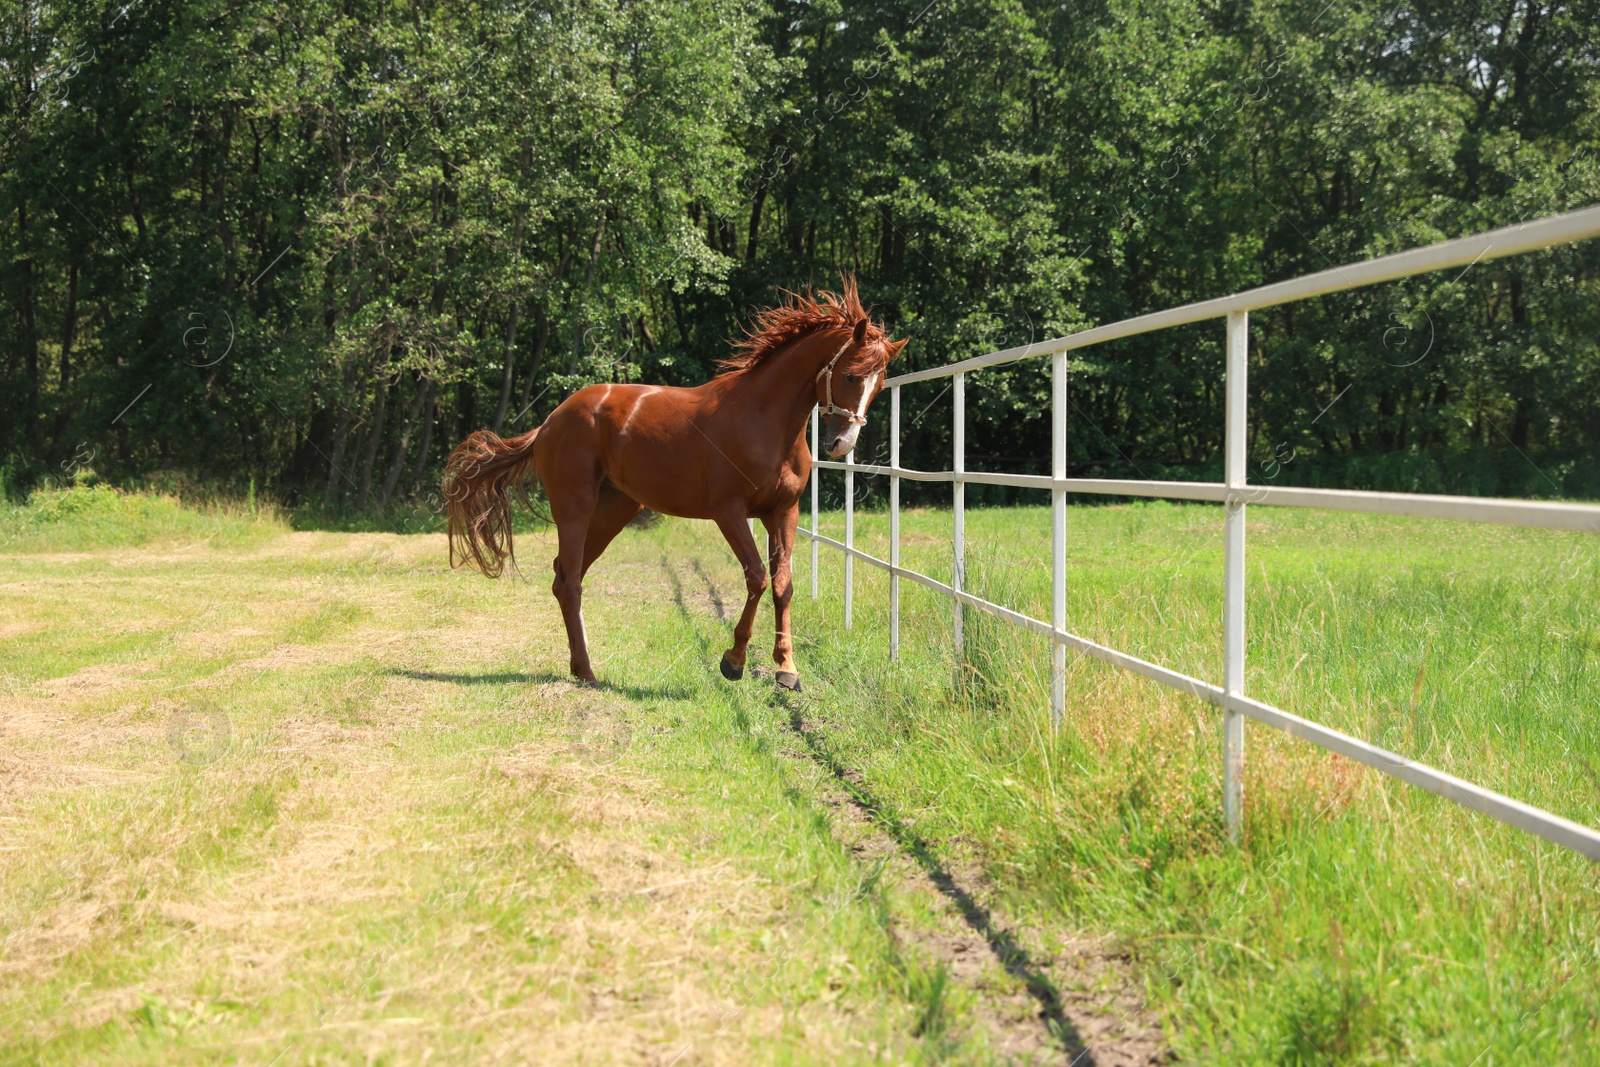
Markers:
830,408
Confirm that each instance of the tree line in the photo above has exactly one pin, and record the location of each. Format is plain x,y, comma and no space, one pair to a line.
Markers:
311,246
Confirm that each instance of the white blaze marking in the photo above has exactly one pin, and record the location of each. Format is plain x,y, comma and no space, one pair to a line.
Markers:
866,395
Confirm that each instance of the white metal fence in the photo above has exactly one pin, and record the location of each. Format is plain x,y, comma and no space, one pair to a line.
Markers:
1234,494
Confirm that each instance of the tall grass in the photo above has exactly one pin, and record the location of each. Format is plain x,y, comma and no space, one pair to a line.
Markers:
1360,920
86,513
78,517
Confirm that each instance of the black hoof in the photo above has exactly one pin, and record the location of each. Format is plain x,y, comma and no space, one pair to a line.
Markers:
789,680
729,671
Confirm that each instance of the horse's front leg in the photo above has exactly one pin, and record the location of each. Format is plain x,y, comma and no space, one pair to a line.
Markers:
780,557
737,530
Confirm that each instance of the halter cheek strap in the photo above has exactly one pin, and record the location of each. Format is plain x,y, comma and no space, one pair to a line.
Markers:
830,408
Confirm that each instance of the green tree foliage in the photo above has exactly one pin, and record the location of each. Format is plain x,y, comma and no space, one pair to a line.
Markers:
313,245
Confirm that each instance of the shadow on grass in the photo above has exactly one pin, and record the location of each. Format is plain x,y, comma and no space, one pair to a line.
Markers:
1012,956
632,692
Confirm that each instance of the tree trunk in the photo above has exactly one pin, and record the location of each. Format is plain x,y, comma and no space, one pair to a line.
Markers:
224,228
1521,421
588,284
755,223
466,408
374,438
541,339
69,324
508,377
30,336
69,332
398,463
430,416
341,437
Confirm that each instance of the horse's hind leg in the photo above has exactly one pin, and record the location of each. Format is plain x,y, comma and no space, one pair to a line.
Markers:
737,531
586,522
614,510
573,510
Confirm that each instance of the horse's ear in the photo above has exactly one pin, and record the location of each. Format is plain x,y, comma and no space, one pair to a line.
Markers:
861,329
895,347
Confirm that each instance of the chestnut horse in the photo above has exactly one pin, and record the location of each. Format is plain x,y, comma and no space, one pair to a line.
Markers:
731,449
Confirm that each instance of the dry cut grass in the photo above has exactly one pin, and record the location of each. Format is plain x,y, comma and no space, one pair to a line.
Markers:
310,798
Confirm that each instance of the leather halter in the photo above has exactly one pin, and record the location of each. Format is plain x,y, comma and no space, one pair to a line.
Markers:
830,408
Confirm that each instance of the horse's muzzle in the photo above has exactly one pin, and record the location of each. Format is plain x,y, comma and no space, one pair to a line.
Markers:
841,444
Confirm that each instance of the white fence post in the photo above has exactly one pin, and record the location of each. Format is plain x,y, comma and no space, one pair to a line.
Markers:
815,474
1234,476
959,487
849,535
894,522
1058,537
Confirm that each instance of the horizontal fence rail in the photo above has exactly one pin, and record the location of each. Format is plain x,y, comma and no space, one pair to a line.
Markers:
1541,513
1495,244
1234,494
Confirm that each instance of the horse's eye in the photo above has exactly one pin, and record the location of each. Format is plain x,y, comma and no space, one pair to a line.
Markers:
851,378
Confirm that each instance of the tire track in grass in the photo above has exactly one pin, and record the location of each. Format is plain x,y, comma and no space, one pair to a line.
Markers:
1079,1006
1085,1011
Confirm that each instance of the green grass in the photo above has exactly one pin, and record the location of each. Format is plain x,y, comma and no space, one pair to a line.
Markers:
1361,920
418,840
83,517
312,798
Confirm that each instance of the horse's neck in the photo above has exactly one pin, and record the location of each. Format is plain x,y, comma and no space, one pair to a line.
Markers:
783,387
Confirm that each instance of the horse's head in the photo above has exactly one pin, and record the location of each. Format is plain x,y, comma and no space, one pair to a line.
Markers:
848,383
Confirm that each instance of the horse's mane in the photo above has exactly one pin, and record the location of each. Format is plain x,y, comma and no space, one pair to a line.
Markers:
800,315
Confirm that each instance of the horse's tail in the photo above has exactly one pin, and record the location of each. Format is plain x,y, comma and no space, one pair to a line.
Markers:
482,474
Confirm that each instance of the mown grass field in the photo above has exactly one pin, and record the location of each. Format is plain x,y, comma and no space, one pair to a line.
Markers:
302,797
